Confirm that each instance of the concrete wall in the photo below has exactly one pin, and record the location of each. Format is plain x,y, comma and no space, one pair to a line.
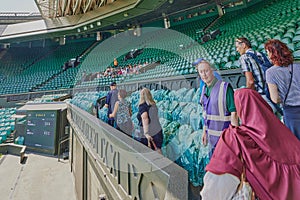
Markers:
104,160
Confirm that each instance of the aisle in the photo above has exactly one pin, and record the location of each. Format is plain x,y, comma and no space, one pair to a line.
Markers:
40,178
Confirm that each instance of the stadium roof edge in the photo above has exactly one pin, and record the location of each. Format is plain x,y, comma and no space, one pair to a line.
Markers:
97,19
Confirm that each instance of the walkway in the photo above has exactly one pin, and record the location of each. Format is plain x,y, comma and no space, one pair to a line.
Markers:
40,178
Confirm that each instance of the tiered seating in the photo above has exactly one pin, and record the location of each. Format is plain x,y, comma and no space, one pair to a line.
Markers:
7,124
63,80
87,100
98,82
47,98
179,115
195,29
13,63
55,61
260,22
22,72
178,110
31,69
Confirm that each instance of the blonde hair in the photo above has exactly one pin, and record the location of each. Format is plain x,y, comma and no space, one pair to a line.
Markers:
146,97
122,93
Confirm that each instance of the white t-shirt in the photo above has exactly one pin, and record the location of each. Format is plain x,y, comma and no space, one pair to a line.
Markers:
219,187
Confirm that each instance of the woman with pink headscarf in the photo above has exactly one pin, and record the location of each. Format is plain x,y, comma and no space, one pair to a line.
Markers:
270,151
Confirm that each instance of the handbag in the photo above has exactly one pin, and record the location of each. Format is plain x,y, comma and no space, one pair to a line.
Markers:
153,145
244,191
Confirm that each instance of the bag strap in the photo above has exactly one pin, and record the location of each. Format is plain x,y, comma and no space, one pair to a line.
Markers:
255,57
258,63
291,72
243,174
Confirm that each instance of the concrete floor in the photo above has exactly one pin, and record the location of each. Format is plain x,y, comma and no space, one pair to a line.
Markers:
41,177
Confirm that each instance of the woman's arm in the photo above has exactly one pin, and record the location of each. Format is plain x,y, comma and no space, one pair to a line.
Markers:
274,93
204,137
145,120
113,114
130,111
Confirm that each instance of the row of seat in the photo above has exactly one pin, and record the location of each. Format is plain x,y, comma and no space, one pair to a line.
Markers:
29,69
175,50
7,123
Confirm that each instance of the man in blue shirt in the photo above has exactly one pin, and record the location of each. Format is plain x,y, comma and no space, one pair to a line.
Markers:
110,102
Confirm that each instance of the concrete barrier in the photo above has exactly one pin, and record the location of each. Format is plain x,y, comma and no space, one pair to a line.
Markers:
14,149
106,162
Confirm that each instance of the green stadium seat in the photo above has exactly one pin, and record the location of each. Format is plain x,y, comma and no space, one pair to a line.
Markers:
297,55
286,40
291,46
296,39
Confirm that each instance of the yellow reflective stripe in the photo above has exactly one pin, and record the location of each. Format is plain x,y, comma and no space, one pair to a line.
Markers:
218,118
214,132
221,96
204,114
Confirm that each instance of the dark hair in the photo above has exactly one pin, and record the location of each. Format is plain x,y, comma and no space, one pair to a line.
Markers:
122,93
140,88
113,84
280,54
245,41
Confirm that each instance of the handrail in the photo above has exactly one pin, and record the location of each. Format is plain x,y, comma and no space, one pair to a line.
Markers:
60,143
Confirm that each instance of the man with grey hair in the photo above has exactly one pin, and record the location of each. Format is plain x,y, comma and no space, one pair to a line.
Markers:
217,101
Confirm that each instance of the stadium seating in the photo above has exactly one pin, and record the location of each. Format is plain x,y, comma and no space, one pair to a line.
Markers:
179,115
178,110
38,69
30,69
87,100
7,123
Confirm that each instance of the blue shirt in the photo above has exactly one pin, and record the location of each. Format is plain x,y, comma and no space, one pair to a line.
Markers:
111,100
248,64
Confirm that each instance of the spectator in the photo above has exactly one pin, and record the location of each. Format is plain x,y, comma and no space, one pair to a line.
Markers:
218,105
201,82
249,66
149,121
110,102
83,77
122,114
124,71
283,80
269,150
255,77
115,63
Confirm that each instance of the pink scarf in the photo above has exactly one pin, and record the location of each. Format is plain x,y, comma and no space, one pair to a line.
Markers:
270,150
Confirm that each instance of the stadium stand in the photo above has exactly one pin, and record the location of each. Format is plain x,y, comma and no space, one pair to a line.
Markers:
7,124
248,22
40,69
